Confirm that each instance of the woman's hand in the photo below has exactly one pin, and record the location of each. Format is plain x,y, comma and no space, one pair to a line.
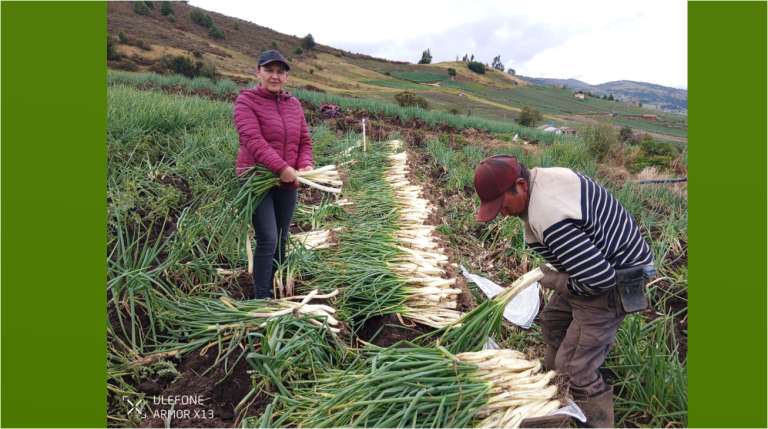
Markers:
288,175
307,168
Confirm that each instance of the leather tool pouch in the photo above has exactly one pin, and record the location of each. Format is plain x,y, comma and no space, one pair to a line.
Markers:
630,290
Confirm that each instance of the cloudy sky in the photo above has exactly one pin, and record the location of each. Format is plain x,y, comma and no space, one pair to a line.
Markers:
592,41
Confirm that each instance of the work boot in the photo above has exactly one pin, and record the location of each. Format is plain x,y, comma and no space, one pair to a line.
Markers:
549,358
598,409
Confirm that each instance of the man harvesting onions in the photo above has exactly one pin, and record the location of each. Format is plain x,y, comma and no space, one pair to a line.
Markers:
602,264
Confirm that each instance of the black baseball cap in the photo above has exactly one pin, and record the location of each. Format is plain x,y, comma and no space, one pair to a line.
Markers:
270,56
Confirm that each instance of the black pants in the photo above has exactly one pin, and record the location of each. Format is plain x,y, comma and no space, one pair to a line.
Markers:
271,219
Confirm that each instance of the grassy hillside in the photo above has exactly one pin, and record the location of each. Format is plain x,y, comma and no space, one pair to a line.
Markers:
153,40
654,96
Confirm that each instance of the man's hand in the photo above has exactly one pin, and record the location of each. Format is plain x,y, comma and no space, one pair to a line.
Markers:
288,175
307,168
554,280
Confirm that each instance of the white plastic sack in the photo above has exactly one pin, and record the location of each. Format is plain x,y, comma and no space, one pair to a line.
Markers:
521,310
573,410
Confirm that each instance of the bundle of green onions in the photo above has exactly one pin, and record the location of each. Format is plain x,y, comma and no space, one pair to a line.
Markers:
195,322
319,239
485,321
433,301
420,387
261,180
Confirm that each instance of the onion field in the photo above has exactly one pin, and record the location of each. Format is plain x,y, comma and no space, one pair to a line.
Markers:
373,323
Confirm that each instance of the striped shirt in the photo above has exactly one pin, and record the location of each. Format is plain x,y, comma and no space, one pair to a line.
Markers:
581,229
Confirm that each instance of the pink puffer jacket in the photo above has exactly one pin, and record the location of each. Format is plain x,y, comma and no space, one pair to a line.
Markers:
273,132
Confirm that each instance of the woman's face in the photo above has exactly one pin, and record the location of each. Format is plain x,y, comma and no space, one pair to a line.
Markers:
272,76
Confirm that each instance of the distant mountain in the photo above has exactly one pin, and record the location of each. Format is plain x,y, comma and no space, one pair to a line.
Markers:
652,96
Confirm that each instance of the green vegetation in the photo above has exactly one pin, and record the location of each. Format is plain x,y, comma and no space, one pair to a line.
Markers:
111,52
408,99
200,18
166,8
298,50
476,67
236,26
121,35
601,139
308,42
140,8
426,57
172,224
529,116
217,33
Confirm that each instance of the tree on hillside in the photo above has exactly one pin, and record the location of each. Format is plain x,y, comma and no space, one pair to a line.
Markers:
298,50
600,139
111,53
141,8
473,57
409,99
466,57
200,18
610,97
640,104
274,45
426,57
150,4
496,64
121,35
529,116
308,42
183,66
511,71
451,72
217,33
236,26
166,9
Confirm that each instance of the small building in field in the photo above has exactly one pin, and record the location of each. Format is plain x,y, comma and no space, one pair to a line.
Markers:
570,131
649,117
548,128
556,86
580,96
633,104
461,94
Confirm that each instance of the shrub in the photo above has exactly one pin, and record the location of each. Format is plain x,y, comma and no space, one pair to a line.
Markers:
308,42
205,70
143,46
652,147
217,33
197,54
150,4
529,116
200,18
127,65
182,65
453,110
263,49
311,71
426,57
343,54
476,67
451,72
172,18
121,35
159,67
625,134
236,26
600,139
141,8
111,53
166,9
298,50
408,98
274,45
289,58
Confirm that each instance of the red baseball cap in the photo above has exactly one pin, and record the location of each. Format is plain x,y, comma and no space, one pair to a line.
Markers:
493,177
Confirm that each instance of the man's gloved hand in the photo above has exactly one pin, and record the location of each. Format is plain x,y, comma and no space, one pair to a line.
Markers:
554,280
